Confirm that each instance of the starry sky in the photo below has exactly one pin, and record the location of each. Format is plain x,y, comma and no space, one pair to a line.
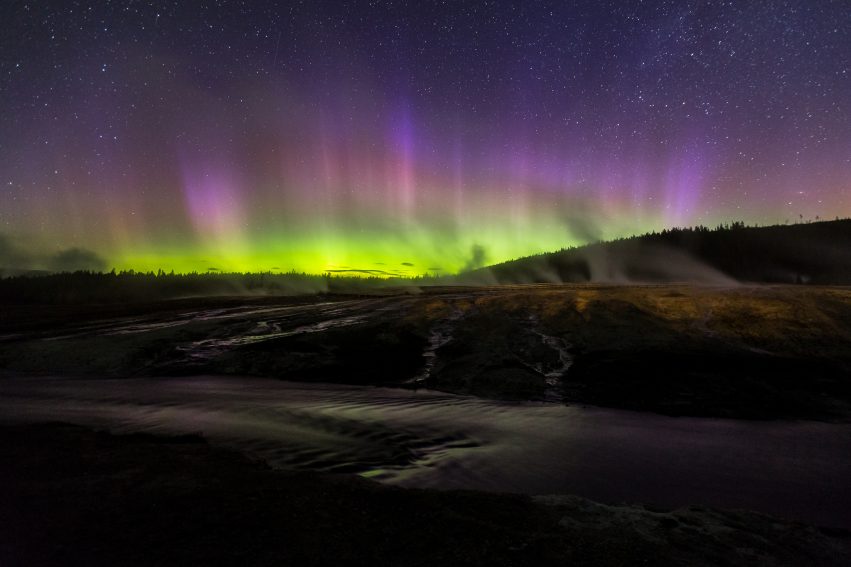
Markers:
408,137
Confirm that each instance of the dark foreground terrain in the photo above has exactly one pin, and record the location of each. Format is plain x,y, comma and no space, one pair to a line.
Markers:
763,352
72,496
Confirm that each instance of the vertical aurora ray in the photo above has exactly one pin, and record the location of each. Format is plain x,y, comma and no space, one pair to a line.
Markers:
213,204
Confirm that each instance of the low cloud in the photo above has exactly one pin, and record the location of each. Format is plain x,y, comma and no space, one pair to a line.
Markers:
74,259
13,256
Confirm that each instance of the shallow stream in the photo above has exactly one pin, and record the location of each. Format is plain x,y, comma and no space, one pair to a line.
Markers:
797,470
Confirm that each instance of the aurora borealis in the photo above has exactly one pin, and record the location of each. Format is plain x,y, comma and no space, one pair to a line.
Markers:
409,137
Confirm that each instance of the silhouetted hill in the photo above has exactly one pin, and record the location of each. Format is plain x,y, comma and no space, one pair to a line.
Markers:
818,253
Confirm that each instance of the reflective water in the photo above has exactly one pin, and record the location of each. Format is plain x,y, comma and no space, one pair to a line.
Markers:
798,470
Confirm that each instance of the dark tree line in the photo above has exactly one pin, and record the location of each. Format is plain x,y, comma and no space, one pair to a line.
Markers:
130,286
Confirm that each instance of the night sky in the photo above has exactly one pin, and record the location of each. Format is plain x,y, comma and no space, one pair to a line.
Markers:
406,137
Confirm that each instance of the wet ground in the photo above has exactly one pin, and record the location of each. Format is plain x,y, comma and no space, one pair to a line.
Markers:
73,496
427,439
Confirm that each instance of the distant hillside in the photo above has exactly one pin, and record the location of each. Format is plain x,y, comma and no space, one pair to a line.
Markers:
818,253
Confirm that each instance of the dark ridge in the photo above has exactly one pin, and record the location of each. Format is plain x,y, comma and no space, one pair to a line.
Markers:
816,253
